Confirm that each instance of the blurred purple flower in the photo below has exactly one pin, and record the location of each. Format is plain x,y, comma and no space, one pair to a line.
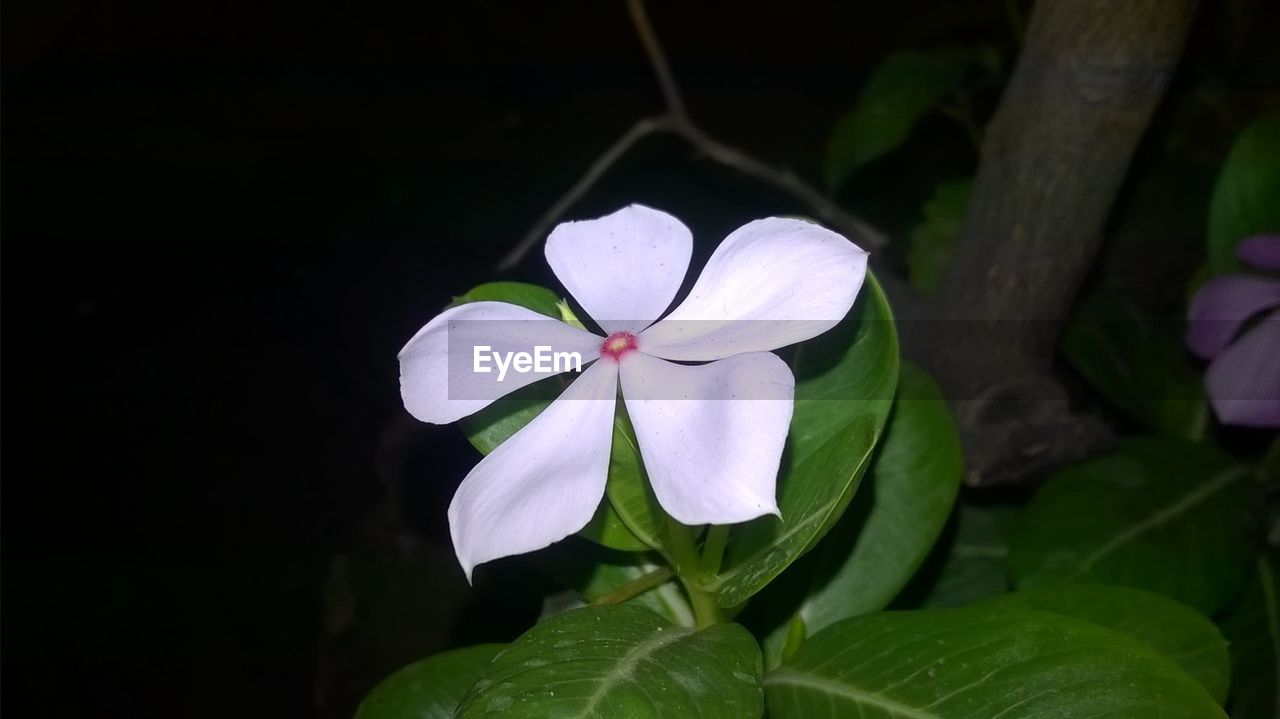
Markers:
1243,379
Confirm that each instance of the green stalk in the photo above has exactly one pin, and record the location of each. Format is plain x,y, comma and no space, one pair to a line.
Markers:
683,556
713,548
635,587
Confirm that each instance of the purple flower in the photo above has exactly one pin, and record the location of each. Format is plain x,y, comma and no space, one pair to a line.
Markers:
1243,379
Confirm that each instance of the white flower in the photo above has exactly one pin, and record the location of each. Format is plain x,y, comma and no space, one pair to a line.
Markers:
710,435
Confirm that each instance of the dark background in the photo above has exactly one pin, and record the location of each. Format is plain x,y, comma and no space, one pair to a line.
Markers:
220,223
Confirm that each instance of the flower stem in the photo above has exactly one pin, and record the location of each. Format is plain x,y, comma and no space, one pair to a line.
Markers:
683,556
635,587
706,611
713,548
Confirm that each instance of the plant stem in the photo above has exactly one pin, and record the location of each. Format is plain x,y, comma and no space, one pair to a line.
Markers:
706,611
682,554
680,550
635,587
713,548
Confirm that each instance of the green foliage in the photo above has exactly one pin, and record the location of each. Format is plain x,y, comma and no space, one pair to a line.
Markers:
901,90
976,564
492,425
913,480
843,398
621,661
1181,634
532,297
1157,514
933,238
1246,197
1253,628
1138,366
594,572
977,664
428,689
630,495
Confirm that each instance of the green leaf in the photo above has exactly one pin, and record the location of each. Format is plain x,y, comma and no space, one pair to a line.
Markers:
492,425
1141,368
628,489
980,664
845,384
428,689
1157,514
914,479
976,560
621,661
532,297
1253,628
1173,630
900,91
1245,198
933,238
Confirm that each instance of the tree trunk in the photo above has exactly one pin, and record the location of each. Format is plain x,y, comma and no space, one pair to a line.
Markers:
1053,160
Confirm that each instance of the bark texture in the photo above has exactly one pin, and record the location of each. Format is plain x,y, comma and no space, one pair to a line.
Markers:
1053,159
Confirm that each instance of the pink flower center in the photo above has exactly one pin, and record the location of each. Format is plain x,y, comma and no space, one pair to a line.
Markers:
617,345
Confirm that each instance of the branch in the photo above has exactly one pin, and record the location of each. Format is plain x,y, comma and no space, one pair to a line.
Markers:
657,58
783,179
676,120
594,172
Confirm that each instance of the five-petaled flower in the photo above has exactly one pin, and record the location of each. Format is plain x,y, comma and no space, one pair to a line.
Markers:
710,435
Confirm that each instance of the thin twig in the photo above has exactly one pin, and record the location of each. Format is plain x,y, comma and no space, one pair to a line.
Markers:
676,121
824,207
588,180
657,58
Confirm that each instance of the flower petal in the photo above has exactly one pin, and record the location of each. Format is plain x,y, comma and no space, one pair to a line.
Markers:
771,283
1222,306
1244,381
438,381
1262,251
711,435
545,482
625,268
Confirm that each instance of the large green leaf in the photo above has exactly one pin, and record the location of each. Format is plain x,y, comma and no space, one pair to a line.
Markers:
976,664
1253,628
621,661
900,91
1174,630
1157,514
1140,367
844,392
492,425
933,238
1246,198
428,689
976,563
913,481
